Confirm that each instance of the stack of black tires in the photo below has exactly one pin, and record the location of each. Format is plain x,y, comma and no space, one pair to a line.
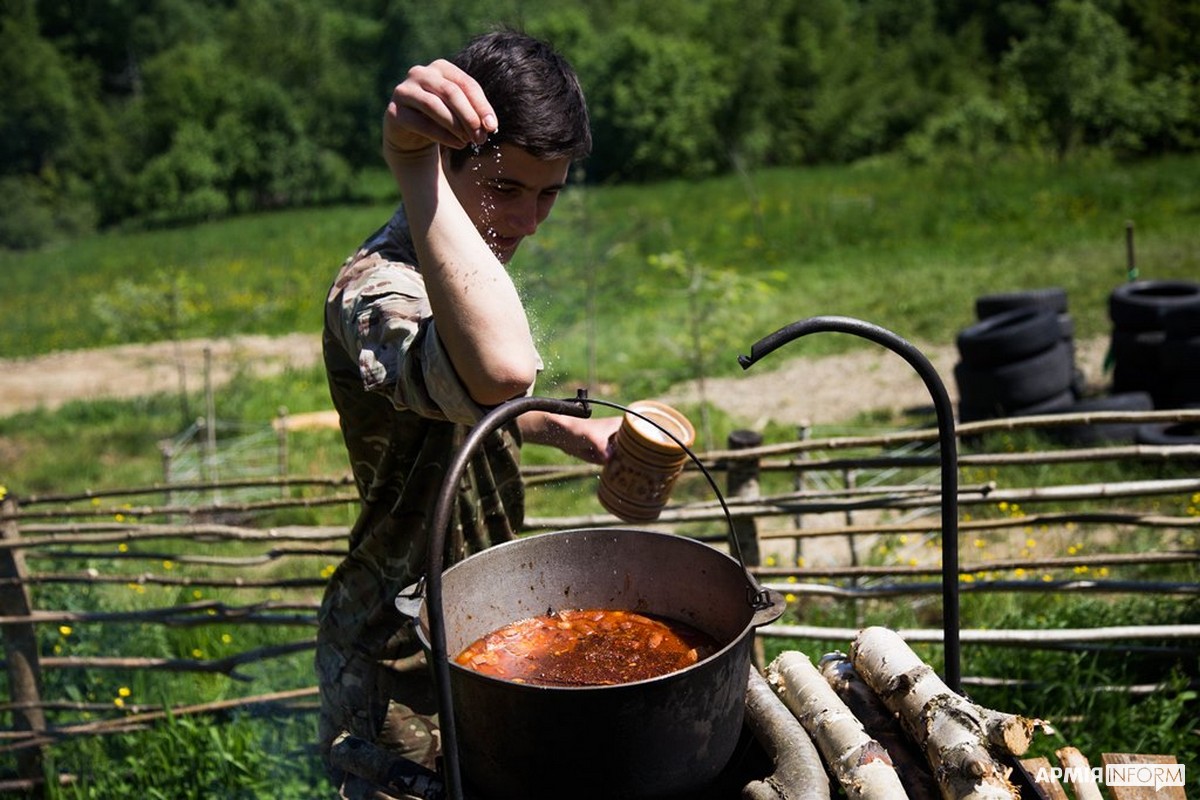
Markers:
1156,340
1019,359
1155,350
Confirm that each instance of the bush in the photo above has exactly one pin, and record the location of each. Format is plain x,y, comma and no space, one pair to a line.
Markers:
33,214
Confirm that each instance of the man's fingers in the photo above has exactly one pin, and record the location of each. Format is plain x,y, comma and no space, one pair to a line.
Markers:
414,130
451,99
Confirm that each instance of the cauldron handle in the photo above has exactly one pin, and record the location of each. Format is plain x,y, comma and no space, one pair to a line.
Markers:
768,605
501,414
947,449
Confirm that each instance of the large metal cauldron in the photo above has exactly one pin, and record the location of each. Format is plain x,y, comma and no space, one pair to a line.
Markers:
658,738
655,738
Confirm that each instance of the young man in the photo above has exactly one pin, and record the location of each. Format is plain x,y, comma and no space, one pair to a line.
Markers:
424,333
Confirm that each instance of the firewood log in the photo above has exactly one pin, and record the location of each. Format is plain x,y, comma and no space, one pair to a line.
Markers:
799,773
881,724
957,736
860,764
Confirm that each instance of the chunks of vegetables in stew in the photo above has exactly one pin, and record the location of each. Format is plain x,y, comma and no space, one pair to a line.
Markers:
587,647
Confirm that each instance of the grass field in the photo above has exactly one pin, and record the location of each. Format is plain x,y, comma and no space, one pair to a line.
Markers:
615,281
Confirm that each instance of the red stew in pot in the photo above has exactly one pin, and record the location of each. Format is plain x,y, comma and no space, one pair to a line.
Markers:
588,647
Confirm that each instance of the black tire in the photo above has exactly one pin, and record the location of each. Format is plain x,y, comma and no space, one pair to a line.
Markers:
1067,326
1180,356
1169,433
1051,299
1051,405
1137,362
1017,385
1182,321
1008,337
1143,305
1181,391
1054,405
1104,432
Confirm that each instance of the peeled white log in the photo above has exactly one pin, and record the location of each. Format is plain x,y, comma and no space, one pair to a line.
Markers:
860,763
881,724
958,736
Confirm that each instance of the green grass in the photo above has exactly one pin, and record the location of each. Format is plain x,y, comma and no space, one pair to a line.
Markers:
907,249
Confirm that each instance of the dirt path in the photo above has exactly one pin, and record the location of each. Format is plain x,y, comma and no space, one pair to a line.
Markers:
140,369
786,390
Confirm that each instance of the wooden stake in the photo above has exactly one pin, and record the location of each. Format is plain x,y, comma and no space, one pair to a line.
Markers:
21,650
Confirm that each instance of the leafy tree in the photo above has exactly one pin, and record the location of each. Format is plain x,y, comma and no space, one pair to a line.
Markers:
653,107
36,117
1072,74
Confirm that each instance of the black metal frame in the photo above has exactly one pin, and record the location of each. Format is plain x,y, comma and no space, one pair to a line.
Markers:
948,453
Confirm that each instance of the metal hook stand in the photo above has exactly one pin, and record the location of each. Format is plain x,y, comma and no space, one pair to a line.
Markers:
948,450
579,407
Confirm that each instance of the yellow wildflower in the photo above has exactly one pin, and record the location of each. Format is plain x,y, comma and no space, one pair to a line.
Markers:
1019,572
789,597
168,564
119,702
771,561
799,561
980,543
196,593
64,630
903,539
3,491
1031,542
124,691
122,548
197,653
226,638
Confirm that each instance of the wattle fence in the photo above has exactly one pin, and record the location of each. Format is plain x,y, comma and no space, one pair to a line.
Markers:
853,518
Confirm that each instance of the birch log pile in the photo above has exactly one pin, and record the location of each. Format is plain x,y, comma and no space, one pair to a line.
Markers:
961,740
860,764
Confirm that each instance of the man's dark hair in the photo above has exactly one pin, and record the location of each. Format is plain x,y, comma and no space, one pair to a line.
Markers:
535,93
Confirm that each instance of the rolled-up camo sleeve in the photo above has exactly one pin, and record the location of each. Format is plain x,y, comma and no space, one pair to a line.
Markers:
379,312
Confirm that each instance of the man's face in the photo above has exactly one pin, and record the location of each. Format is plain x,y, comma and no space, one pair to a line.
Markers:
507,192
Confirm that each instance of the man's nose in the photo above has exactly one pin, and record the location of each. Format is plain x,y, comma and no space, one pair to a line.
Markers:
525,217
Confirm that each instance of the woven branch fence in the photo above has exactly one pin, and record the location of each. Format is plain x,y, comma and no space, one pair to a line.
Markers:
858,492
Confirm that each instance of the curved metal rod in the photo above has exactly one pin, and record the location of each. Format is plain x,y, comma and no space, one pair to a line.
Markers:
578,407
948,446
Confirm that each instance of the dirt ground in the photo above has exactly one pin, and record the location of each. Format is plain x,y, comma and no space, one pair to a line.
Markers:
796,390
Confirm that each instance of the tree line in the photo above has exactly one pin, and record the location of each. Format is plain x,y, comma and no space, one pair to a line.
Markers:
163,112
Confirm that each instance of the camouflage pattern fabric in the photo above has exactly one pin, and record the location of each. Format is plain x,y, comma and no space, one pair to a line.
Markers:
404,413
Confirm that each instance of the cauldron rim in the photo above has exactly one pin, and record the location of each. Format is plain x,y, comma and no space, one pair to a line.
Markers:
728,643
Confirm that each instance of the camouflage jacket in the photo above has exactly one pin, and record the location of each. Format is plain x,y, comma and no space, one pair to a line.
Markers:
404,412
